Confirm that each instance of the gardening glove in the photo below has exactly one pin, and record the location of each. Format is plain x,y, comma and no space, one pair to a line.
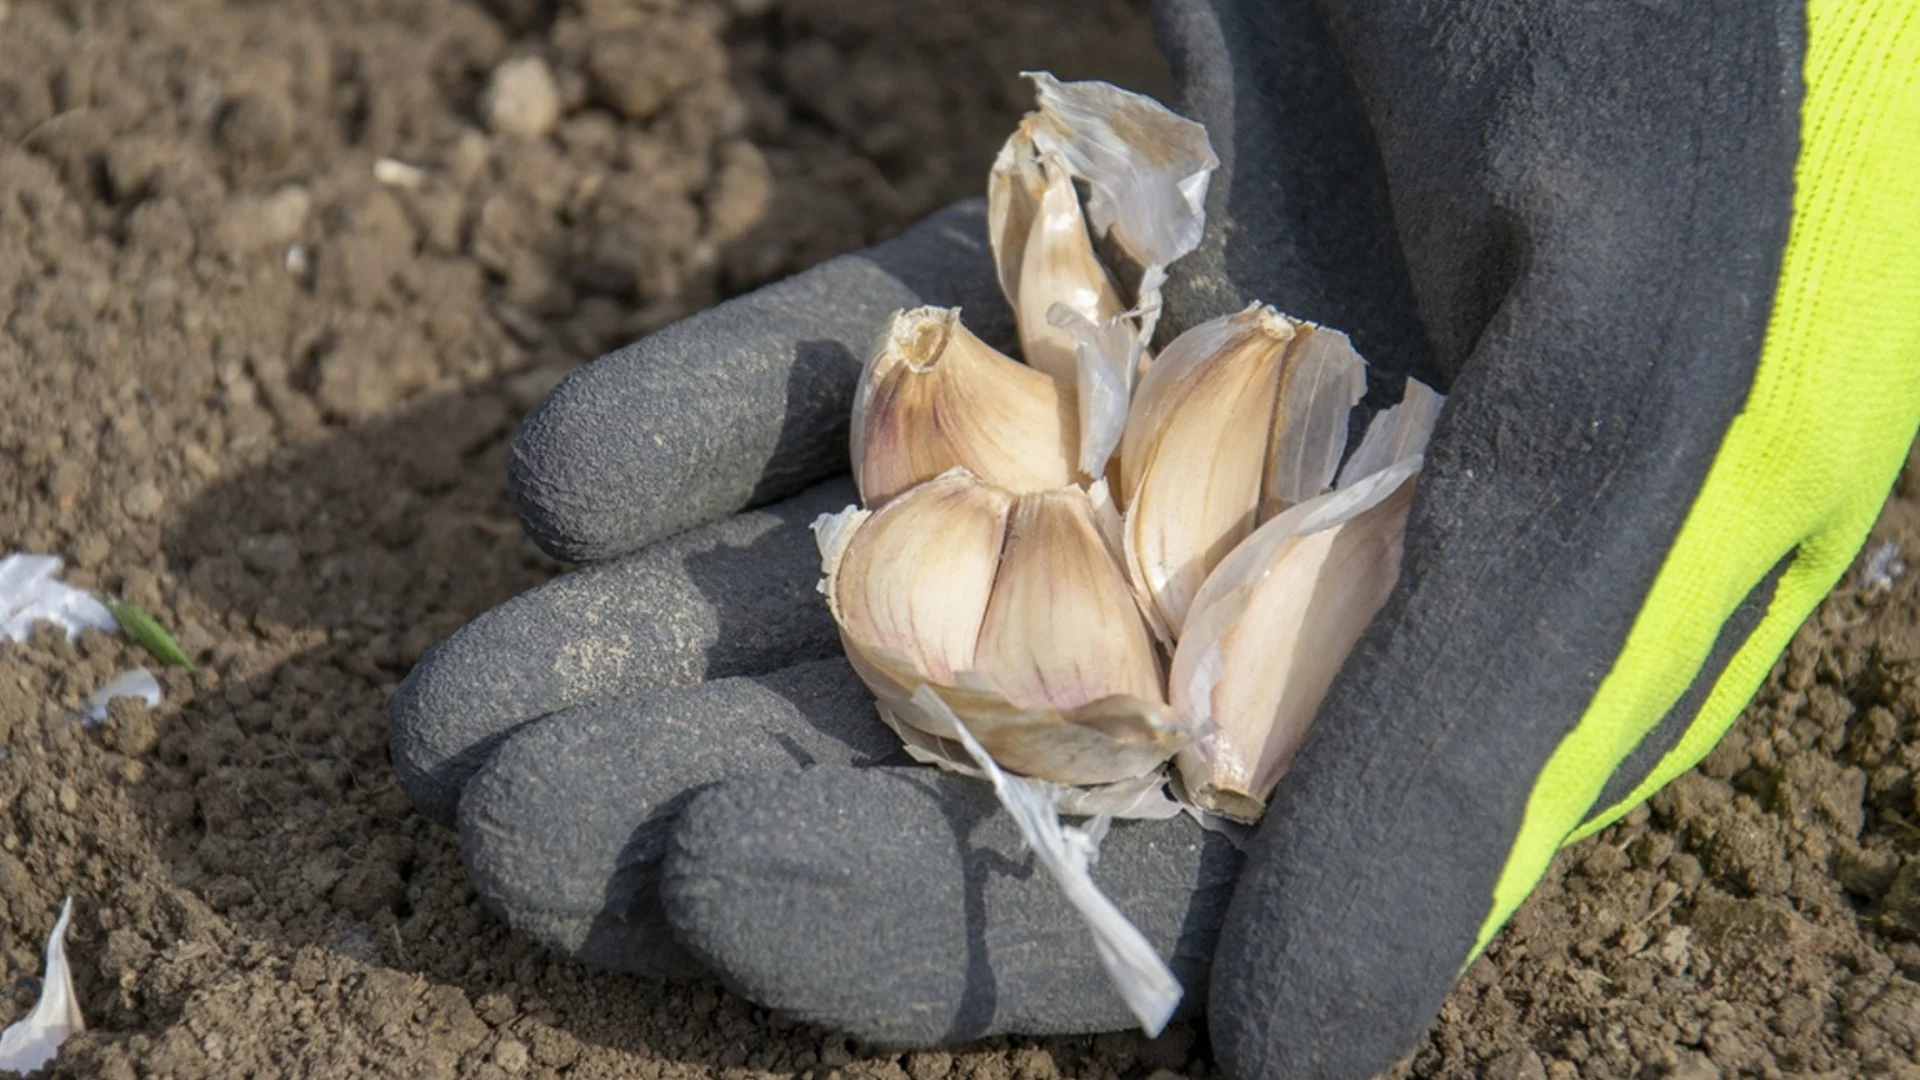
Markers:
1669,430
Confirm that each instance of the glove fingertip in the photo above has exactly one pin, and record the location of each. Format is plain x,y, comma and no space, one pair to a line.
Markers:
430,762
737,405
900,905
569,871
765,900
552,457
650,439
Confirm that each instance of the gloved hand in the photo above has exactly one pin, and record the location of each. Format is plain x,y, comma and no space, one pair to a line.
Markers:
1664,259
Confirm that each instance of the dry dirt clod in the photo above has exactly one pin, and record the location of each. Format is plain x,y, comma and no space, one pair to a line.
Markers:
143,502
521,98
637,70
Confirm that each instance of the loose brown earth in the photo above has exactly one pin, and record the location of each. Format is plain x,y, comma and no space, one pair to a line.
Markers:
266,395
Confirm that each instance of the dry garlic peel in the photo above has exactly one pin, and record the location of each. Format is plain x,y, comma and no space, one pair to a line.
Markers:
1011,608
1323,380
933,396
32,1041
1105,356
1395,435
1233,412
1146,168
1143,980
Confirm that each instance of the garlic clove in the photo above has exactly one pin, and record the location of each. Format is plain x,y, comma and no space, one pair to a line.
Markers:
1239,418
909,583
1056,266
933,396
1062,629
1066,684
1194,453
1013,610
1015,186
1146,172
1271,628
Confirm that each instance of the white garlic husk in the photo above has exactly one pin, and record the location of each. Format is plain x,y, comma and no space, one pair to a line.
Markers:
34,1040
1146,167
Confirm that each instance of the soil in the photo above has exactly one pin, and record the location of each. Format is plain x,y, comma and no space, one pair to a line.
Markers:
277,281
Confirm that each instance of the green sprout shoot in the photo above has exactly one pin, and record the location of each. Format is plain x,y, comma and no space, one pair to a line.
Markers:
146,630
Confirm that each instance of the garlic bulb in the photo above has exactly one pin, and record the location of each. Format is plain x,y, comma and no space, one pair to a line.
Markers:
1200,610
1238,418
1014,610
934,396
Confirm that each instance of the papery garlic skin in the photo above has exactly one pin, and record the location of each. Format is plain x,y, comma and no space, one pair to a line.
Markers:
1013,610
1146,168
1139,975
32,1041
1106,356
1238,417
933,396
1396,434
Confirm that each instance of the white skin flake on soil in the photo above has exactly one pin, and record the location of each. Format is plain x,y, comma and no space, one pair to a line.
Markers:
35,1039
31,591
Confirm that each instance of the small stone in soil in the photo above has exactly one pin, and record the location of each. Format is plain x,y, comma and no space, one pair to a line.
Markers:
522,98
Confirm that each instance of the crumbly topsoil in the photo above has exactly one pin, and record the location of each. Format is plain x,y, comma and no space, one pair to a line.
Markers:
261,385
